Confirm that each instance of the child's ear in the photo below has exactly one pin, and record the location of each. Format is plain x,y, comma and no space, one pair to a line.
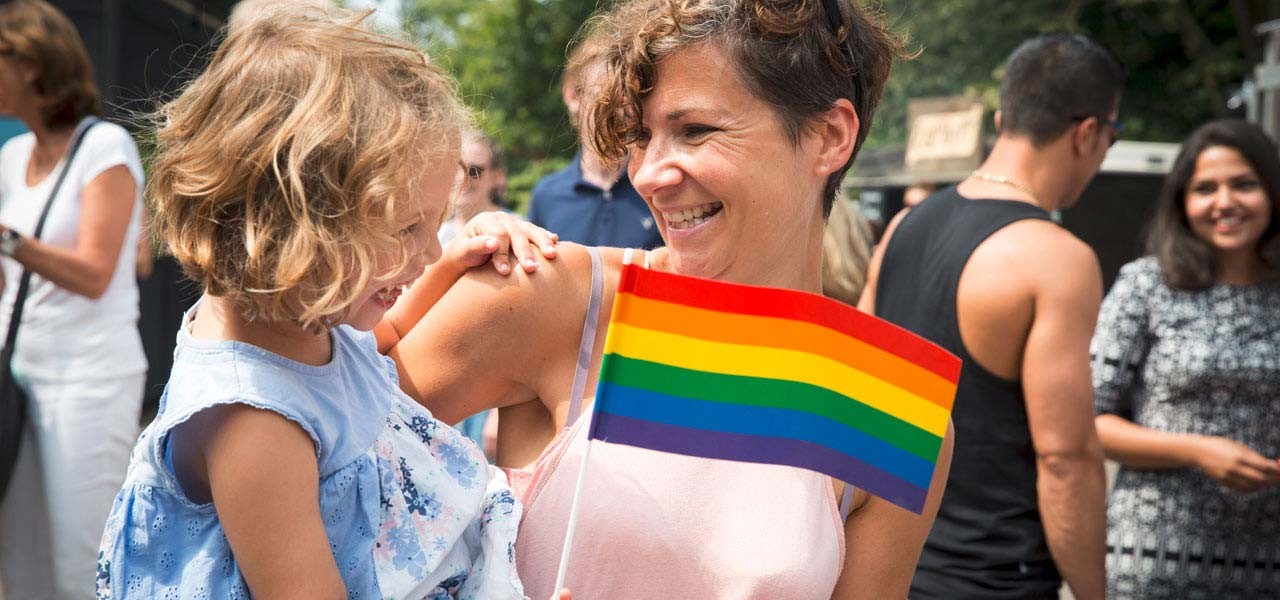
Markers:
28,72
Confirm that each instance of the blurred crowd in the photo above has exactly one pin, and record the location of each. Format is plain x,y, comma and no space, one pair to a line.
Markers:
1173,373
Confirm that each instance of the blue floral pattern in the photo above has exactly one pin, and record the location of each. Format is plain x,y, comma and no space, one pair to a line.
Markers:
422,530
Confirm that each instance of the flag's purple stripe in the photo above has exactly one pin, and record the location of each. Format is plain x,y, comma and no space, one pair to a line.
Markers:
758,449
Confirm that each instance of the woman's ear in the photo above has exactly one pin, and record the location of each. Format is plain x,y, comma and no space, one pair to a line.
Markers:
837,133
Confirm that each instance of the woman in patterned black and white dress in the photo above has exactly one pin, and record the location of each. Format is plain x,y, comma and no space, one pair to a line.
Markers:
1186,373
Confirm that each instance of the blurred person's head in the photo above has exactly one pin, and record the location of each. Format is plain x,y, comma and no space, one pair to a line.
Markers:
741,117
582,71
846,252
482,164
303,175
1062,90
46,79
917,192
1054,82
498,194
580,87
1218,202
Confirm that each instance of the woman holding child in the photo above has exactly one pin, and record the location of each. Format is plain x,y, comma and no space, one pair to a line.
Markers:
301,180
741,118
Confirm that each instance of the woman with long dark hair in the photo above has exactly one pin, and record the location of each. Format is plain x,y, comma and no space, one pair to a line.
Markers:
1186,377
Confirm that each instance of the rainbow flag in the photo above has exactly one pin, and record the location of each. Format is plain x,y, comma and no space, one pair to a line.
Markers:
720,370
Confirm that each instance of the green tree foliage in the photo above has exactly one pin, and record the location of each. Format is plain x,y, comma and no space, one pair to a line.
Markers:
507,56
1183,58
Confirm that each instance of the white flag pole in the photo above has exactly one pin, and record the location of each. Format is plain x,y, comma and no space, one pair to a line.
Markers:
573,519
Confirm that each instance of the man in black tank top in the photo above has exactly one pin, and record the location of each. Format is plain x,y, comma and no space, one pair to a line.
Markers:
981,270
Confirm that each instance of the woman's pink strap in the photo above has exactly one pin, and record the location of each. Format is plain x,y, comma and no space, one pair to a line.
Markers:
588,344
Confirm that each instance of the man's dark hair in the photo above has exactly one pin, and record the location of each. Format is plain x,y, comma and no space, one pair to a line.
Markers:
1186,261
1054,81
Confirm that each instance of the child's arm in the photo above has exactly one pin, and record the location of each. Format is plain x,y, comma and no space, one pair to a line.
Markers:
492,235
264,481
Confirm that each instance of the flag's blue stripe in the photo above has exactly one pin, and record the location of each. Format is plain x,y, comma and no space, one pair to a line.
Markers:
764,421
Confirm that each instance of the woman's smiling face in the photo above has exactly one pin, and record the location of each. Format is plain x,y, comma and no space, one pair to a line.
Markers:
732,194
1226,203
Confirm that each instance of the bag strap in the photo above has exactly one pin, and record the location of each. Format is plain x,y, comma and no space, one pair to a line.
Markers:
20,300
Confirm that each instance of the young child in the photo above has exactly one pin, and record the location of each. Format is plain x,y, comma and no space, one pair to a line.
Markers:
301,181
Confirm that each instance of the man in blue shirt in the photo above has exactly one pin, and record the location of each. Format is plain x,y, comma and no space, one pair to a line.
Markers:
587,202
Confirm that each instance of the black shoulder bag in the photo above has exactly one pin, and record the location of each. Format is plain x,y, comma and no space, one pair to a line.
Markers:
13,400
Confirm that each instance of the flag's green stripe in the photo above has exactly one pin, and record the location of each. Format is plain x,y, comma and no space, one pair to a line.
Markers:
773,393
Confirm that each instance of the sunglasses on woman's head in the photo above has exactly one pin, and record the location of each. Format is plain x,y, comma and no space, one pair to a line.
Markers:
835,18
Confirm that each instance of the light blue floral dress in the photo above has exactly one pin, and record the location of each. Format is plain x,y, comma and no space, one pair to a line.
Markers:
411,507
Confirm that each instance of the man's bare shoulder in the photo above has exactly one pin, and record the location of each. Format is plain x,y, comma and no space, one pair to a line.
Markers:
1039,251
1016,276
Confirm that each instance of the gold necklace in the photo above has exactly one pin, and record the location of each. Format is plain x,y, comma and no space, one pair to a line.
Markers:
1005,180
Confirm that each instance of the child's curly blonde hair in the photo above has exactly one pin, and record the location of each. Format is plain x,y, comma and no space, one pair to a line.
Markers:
278,170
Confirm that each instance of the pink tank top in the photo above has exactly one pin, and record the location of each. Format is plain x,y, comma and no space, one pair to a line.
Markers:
653,524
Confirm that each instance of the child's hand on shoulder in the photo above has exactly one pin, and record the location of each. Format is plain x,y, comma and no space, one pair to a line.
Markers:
489,236
498,236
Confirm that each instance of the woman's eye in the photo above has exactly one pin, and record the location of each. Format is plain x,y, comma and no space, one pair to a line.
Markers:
1204,189
697,131
1247,185
410,230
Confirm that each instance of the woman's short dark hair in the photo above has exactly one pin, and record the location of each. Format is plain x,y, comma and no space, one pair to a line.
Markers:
36,33
789,53
1186,261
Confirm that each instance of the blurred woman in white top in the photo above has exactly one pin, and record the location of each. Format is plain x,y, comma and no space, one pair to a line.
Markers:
79,355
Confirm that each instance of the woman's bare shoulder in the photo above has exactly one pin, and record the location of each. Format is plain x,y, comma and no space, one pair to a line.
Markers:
558,289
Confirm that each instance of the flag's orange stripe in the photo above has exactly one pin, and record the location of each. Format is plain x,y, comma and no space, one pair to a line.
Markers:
736,328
